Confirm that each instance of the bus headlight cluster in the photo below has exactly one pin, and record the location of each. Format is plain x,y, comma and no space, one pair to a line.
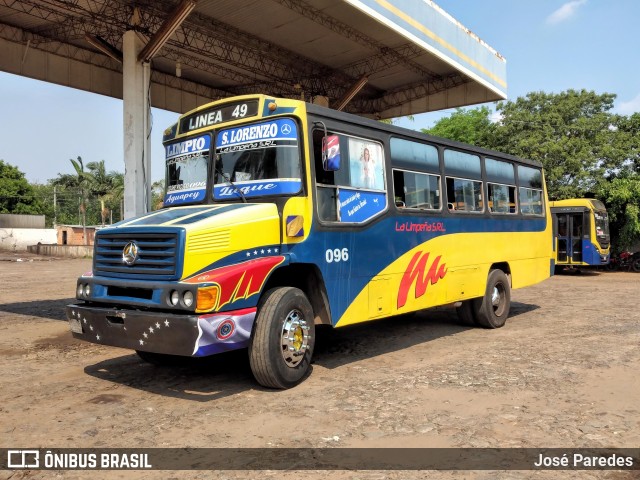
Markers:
187,298
177,297
83,290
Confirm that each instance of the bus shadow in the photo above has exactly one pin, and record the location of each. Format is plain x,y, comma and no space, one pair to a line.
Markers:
47,309
518,308
338,347
580,272
219,376
341,346
195,379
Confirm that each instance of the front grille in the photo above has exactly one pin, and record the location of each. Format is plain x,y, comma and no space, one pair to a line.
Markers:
157,253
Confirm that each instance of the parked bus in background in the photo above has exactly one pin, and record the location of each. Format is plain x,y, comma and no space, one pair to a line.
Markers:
580,232
280,215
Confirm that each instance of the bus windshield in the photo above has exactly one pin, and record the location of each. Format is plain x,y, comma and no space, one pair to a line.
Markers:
602,224
187,165
260,159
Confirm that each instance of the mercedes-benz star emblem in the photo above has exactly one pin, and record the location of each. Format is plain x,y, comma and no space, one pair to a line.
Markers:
130,253
286,129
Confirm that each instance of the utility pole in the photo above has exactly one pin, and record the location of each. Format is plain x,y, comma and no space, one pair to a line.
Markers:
55,207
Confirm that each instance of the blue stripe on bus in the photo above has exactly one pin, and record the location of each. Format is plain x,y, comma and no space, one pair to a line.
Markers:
368,257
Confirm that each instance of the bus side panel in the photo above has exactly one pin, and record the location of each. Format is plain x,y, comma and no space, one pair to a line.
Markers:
442,270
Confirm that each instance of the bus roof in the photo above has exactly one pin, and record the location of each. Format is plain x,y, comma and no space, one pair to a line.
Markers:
590,203
406,132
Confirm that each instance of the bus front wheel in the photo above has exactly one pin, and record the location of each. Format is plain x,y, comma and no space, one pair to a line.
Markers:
283,338
492,310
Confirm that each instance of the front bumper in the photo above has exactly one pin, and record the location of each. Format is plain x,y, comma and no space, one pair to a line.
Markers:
158,332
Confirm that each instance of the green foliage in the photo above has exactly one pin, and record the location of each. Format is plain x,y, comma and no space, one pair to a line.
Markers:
622,198
106,186
584,148
16,194
91,196
471,126
157,195
572,133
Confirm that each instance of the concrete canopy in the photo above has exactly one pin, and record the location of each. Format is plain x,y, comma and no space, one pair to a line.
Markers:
396,57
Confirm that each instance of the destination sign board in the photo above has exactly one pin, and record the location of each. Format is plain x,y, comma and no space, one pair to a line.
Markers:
218,114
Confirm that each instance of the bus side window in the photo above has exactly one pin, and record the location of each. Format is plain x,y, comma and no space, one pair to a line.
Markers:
416,190
361,177
502,198
464,195
464,181
325,194
530,192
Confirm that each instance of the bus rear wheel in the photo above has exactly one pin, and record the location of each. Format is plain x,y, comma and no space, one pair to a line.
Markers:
466,313
283,338
492,310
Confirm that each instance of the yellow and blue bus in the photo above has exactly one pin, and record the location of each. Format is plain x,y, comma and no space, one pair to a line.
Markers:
280,215
581,232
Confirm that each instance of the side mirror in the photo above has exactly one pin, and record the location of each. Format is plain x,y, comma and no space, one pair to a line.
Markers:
331,153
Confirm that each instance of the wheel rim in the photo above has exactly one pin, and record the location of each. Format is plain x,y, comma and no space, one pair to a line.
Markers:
295,338
498,299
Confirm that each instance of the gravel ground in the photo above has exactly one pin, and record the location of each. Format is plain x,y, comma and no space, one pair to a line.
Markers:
562,373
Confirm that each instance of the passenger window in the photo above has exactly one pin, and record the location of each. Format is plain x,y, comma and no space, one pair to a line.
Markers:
416,190
530,201
462,165
356,192
502,198
414,156
530,191
464,195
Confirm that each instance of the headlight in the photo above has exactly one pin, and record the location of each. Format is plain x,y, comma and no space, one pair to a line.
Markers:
174,298
187,298
79,290
87,290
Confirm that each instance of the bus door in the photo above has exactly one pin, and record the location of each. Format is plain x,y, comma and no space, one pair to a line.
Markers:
570,231
350,194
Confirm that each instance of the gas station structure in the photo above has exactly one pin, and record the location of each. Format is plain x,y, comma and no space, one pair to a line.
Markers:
377,58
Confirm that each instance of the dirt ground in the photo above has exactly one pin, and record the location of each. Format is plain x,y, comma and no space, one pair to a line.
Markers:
562,373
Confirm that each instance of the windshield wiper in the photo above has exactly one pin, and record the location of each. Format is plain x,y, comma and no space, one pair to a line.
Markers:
227,179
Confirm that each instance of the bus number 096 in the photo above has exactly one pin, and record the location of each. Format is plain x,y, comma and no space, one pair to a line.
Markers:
334,255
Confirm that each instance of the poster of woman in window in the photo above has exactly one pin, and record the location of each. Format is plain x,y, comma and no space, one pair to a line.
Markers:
366,166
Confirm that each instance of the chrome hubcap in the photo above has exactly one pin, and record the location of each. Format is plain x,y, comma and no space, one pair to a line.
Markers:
295,338
498,299
495,297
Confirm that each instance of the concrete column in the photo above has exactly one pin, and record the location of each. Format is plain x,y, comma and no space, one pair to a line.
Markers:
137,147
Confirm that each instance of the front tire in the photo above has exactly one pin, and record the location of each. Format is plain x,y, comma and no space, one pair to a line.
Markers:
635,265
492,310
283,338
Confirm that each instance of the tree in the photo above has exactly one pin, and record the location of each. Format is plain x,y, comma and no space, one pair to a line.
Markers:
106,186
572,133
584,148
116,199
471,126
622,198
16,194
157,194
80,181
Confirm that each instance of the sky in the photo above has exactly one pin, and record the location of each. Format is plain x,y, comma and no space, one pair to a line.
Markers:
550,45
